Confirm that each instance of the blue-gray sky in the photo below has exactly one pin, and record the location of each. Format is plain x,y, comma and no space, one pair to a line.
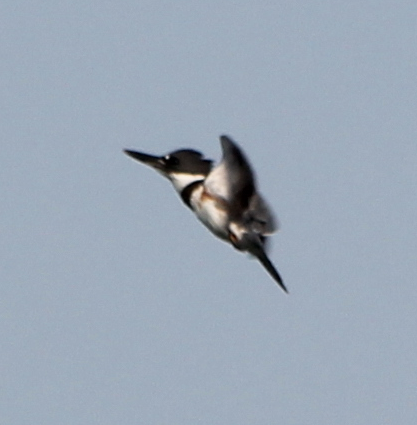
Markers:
116,305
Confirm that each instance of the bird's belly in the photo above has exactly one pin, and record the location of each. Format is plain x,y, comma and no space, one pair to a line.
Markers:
212,214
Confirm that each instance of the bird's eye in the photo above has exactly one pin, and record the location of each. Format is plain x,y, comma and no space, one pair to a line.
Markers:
171,160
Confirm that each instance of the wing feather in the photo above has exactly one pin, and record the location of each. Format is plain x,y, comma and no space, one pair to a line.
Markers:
260,216
232,179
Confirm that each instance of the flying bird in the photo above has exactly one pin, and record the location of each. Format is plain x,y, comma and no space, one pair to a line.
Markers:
223,197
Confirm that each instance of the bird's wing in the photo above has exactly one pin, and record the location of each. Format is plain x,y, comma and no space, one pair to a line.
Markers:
259,217
232,179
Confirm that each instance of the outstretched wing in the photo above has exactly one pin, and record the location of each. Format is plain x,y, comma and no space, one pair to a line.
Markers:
232,179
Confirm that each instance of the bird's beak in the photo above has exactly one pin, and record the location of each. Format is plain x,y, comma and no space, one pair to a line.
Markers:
151,160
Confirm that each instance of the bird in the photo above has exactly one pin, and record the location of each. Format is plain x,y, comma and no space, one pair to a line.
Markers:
223,197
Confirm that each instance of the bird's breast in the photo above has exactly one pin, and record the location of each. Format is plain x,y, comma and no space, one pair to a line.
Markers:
211,211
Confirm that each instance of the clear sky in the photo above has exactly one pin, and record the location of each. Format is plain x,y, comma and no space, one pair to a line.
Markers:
116,305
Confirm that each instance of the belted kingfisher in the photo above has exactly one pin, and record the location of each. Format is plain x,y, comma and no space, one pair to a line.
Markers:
224,198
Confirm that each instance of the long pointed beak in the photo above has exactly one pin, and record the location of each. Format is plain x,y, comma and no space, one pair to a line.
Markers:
151,160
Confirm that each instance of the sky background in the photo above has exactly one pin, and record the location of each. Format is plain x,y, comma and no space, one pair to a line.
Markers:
116,305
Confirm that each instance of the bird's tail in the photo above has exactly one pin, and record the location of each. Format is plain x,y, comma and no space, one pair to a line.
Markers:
254,247
266,262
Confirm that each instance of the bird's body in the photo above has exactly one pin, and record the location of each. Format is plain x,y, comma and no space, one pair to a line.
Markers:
224,198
